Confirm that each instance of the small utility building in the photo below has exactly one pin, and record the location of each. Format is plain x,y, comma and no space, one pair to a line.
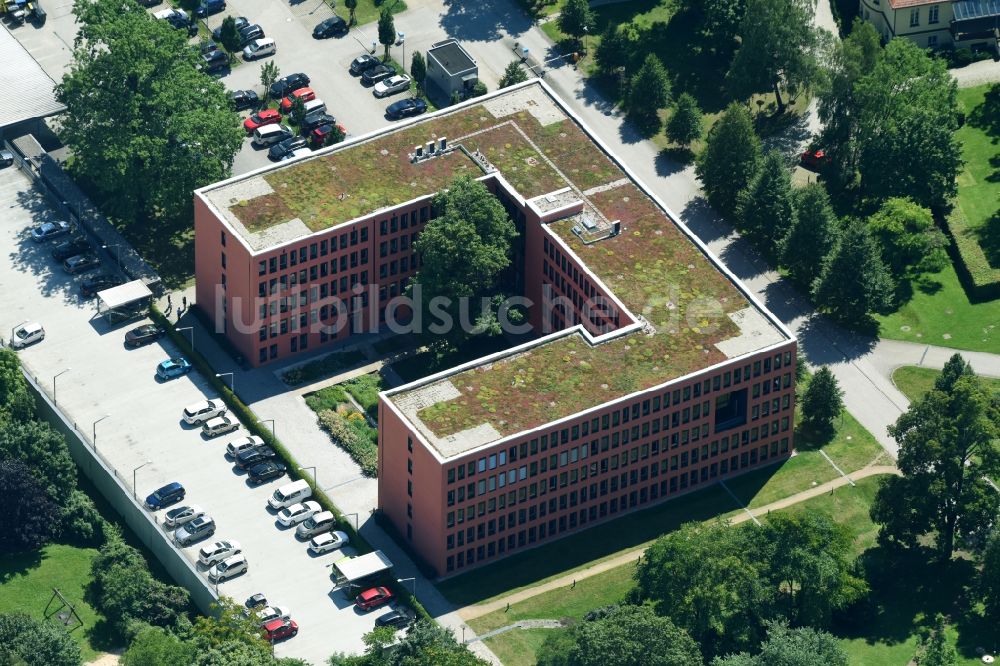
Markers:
451,68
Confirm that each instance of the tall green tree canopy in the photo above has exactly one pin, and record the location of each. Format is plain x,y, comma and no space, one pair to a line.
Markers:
803,646
649,91
764,210
625,636
44,451
426,644
720,21
16,401
418,69
386,30
145,127
30,518
685,124
907,113
778,50
618,47
911,244
822,401
513,73
947,444
26,640
730,159
813,234
576,19
854,281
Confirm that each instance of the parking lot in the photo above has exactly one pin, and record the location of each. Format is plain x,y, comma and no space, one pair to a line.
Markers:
90,373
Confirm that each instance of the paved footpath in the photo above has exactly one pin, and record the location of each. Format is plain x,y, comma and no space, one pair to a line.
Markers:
478,610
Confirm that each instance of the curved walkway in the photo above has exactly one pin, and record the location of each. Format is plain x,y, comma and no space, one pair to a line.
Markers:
478,610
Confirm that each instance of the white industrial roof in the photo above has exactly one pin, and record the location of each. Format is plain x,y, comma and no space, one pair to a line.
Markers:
28,90
354,568
123,294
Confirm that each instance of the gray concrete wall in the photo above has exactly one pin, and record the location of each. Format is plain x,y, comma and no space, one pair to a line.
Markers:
116,491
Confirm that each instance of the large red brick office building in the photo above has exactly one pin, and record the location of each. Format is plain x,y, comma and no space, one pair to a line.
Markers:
652,370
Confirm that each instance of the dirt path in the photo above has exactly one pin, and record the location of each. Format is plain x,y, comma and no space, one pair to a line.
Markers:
478,610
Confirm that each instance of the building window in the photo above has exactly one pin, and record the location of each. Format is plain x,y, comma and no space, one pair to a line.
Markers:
932,42
932,17
915,17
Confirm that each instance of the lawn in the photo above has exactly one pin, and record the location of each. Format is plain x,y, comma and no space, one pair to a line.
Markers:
365,390
368,11
518,647
978,183
940,313
914,382
26,583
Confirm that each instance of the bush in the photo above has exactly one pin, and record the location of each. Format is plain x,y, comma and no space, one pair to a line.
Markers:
980,280
365,390
348,435
321,367
81,524
25,640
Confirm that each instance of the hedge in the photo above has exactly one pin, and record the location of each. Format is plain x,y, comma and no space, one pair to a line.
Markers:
321,367
352,435
980,280
251,423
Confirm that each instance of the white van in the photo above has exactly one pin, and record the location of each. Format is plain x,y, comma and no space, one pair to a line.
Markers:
316,524
268,134
289,494
316,106
259,48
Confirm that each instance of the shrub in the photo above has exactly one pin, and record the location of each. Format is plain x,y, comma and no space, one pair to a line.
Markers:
365,390
321,367
81,523
349,436
982,281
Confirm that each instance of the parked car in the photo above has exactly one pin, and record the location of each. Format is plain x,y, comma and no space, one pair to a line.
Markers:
92,285
265,471
241,22
243,99
260,48
268,135
314,120
392,85
207,46
165,496
261,118
228,568
81,263
196,530
218,551
373,598
404,108
296,513
213,61
70,248
182,514
397,619
6,158
298,152
327,542
814,159
238,446
250,33
317,523
128,311
321,134
251,457
26,334
277,630
203,410
172,368
363,63
257,600
209,7
220,425
330,27
375,74
271,613
305,94
287,84
49,230
144,334
286,147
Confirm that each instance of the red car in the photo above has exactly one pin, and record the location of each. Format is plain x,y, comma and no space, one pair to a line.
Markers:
279,629
373,598
814,159
306,94
320,133
261,118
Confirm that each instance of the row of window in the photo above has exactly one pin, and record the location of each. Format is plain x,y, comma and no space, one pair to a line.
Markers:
314,251
576,518
282,283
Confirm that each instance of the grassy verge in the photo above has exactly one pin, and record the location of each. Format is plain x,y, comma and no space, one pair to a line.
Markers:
369,10
322,367
518,647
914,382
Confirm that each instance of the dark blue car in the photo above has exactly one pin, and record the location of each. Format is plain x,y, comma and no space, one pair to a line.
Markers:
208,7
165,496
173,367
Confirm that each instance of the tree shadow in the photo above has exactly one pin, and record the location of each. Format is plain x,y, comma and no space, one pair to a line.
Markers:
693,66
13,565
986,116
699,216
671,160
484,21
988,236
825,341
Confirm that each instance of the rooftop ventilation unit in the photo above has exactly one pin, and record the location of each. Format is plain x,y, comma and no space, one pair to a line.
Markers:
444,143
430,148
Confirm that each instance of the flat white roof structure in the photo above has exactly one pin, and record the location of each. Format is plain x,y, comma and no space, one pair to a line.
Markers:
362,566
123,294
28,90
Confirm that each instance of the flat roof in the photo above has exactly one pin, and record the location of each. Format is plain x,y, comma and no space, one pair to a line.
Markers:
360,566
691,313
123,294
28,91
452,57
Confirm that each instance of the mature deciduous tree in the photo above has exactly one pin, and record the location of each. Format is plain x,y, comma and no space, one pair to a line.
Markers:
947,445
730,159
803,646
685,124
764,210
576,19
145,127
649,91
16,401
26,640
44,451
80,522
230,38
386,30
778,49
30,518
352,7
906,114
418,69
155,646
911,244
721,20
854,281
822,401
618,47
426,644
513,73
813,234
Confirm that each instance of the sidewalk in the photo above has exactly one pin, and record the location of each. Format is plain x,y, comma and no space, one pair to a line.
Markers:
478,610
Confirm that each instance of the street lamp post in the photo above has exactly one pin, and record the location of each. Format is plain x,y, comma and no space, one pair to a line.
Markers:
118,252
232,379
14,328
273,429
54,378
188,328
94,438
356,526
148,462
313,468
414,580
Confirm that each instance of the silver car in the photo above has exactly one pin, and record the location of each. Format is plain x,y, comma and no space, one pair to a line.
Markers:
196,530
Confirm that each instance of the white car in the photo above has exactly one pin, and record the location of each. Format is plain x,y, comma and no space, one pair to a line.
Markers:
200,412
218,551
260,48
182,514
238,446
169,13
298,152
391,85
270,613
324,543
296,513
219,425
232,566
26,334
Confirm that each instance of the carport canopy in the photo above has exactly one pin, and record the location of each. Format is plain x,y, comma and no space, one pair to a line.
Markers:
122,295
